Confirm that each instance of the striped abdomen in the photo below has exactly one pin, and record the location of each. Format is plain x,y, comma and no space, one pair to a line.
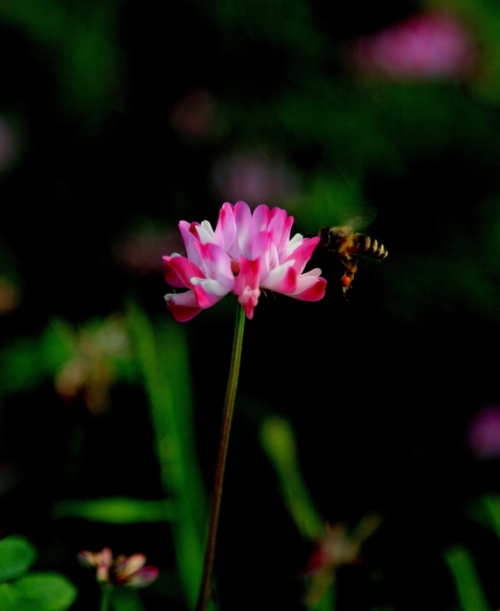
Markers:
368,247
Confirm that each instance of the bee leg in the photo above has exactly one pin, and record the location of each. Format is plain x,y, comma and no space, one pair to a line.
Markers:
351,269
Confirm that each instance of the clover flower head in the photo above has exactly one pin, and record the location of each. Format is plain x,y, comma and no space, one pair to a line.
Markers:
247,252
425,46
121,571
483,433
337,547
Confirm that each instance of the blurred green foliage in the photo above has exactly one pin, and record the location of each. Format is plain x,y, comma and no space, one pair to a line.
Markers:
39,591
115,510
467,581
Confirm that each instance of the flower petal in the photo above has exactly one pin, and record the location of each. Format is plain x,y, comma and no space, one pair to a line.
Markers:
182,271
283,279
280,226
225,232
303,253
216,264
246,285
243,217
130,565
190,236
208,293
143,577
206,233
260,220
310,287
89,558
169,274
182,306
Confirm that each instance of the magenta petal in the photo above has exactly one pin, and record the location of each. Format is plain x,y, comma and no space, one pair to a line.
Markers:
280,226
170,274
185,270
243,218
248,276
249,300
217,264
261,244
190,236
182,306
225,231
288,284
303,253
260,220
205,298
246,285
313,292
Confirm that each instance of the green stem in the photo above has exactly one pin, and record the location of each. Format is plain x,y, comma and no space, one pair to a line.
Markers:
106,598
227,416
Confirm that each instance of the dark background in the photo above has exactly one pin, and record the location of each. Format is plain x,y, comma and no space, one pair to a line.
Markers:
119,119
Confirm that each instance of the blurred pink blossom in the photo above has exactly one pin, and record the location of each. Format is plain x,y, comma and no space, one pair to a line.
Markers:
9,144
483,433
121,571
140,252
254,177
247,252
426,46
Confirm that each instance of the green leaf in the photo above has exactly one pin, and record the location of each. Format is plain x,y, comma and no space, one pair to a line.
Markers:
51,591
115,510
12,600
20,366
16,556
9,596
278,441
162,354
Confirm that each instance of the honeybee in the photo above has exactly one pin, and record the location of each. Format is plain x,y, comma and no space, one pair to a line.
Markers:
349,246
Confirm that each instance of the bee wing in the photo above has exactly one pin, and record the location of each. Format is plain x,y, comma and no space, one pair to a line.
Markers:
362,220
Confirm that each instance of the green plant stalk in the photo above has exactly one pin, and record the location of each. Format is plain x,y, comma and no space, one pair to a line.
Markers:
227,417
106,592
468,586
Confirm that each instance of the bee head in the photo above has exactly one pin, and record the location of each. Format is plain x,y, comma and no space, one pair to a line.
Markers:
325,237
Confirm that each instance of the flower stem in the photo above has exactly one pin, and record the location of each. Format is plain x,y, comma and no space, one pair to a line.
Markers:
227,416
106,591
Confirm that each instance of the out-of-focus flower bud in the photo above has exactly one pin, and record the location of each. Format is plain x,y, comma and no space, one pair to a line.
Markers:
483,434
426,46
122,571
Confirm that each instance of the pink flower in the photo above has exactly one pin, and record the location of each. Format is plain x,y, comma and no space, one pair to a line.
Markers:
121,571
255,176
430,45
246,253
483,433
